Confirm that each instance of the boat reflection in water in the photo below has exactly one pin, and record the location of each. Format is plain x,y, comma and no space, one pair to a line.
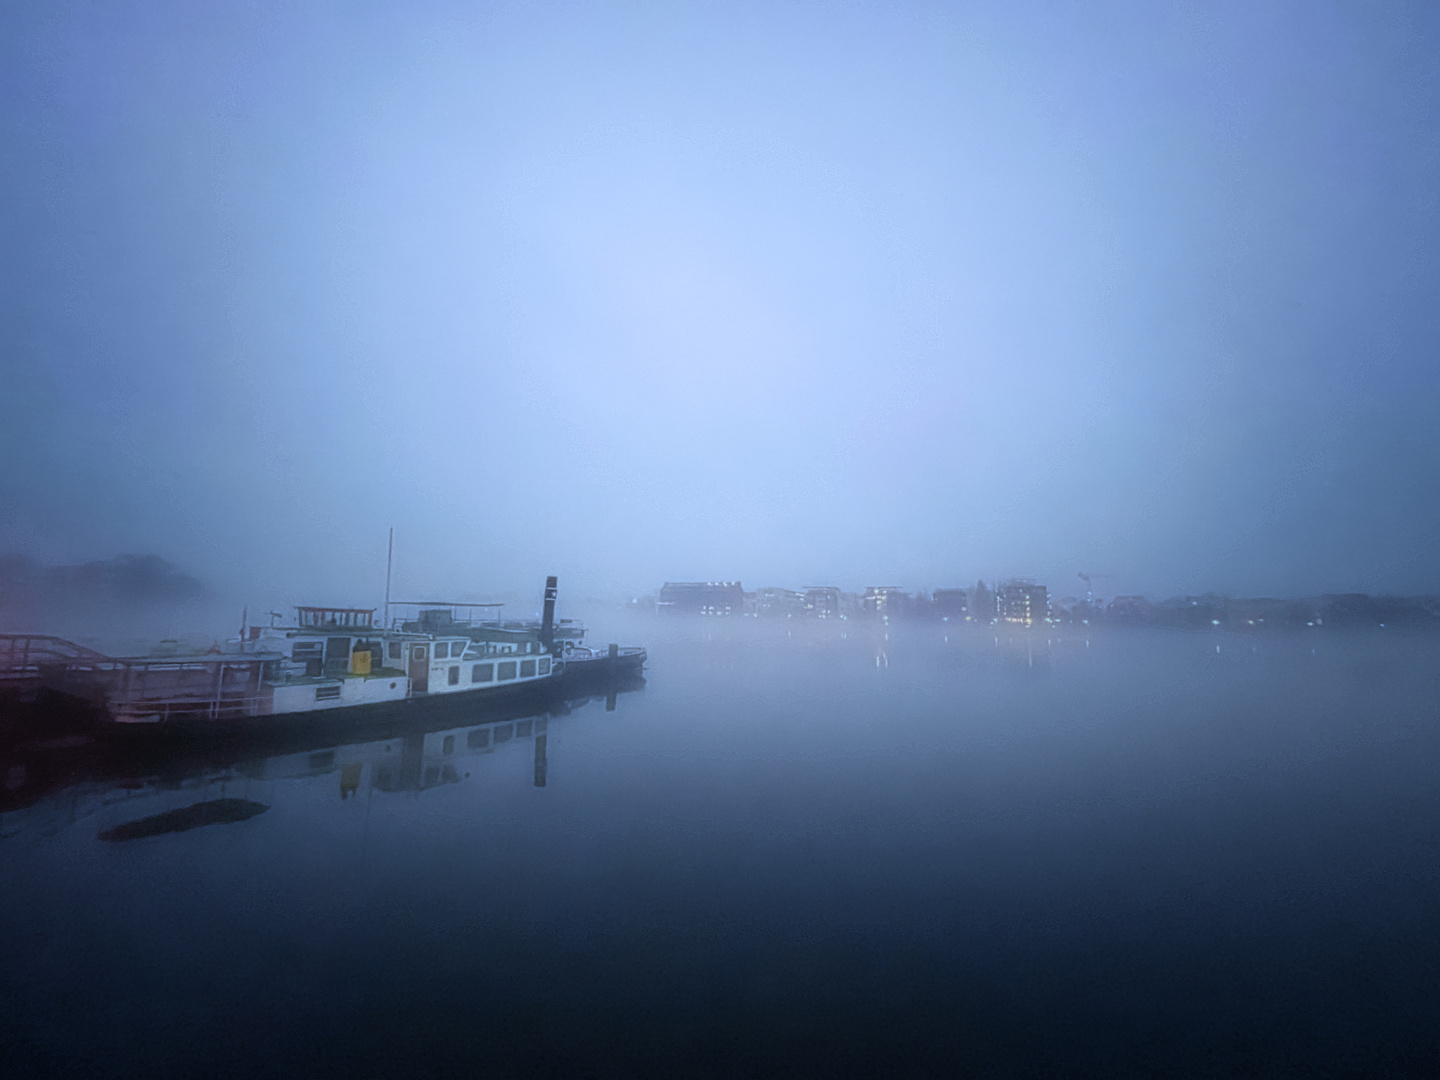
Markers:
48,786
430,760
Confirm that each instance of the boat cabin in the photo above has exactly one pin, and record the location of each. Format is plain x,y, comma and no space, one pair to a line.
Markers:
328,618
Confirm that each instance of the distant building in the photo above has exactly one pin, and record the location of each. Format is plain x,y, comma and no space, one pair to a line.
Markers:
822,602
718,598
1205,610
775,602
952,605
1131,609
886,600
1022,602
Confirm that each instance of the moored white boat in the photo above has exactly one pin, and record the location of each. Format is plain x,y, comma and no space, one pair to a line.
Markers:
338,658
330,661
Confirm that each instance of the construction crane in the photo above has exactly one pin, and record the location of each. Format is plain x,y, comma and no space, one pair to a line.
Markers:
1089,590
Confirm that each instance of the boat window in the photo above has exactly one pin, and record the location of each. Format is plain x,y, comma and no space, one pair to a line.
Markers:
394,650
482,673
442,650
457,649
327,693
453,676
522,728
527,669
448,746
478,738
507,669
545,666
503,732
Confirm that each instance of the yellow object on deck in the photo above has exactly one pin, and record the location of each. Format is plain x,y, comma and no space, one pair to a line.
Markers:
360,662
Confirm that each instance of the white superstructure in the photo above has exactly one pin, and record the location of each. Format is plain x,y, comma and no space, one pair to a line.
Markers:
337,657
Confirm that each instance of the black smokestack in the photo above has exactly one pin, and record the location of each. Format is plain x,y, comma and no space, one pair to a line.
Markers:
547,621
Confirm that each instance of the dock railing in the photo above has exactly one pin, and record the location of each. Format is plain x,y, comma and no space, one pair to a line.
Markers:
140,689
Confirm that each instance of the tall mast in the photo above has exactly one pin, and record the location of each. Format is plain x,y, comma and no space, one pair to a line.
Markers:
389,558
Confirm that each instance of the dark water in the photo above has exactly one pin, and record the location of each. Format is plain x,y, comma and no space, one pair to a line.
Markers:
783,857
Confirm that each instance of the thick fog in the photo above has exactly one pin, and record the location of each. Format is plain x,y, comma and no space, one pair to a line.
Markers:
795,294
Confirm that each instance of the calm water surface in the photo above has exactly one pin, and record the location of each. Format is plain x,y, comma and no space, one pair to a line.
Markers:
785,856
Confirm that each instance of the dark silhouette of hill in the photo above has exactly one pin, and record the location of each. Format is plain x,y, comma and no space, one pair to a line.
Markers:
140,593
125,578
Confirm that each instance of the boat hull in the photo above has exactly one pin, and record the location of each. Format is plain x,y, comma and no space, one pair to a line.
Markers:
51,715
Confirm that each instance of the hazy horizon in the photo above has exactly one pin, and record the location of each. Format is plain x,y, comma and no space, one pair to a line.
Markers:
629,293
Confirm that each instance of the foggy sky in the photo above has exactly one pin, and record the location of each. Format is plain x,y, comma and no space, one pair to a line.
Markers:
853,294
